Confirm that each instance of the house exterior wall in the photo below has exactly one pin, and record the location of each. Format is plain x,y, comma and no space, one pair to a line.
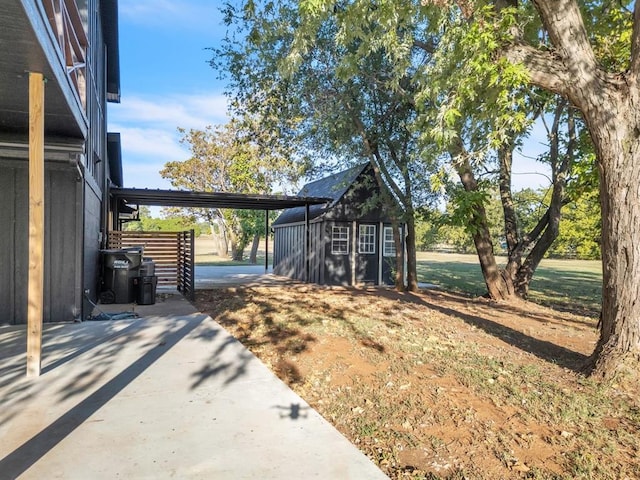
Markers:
76,193
62,294
92,212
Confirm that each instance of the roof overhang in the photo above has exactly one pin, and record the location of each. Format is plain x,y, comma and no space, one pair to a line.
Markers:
109,15
27,44
239,201
114,153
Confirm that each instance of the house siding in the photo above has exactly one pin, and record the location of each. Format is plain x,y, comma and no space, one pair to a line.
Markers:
62,198
76,204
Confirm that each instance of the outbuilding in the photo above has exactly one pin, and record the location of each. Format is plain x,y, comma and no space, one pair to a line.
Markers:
349,240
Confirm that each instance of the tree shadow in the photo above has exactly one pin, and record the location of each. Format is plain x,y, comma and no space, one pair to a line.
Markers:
281,325
542,349
218,363
62,343
23,457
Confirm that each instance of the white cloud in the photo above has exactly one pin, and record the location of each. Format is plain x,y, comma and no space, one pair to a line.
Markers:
148,130
172,111
150,145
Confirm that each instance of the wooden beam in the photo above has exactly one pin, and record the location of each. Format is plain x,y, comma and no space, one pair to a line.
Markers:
266,241
307,244
35,295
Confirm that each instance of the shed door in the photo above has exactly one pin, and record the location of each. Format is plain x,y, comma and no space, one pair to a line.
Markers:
367,257
388,255
337,255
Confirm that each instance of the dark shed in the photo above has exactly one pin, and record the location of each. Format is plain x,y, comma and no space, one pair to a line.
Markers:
350,238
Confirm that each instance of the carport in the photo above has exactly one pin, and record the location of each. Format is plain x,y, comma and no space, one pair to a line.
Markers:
123,198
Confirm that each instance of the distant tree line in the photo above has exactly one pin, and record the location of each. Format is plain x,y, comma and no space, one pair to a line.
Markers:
579,232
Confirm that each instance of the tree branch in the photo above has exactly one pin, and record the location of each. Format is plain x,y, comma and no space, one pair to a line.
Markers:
428,47
545,69
635,43
563,21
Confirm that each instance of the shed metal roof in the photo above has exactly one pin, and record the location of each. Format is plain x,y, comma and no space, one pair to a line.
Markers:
333,187
241,201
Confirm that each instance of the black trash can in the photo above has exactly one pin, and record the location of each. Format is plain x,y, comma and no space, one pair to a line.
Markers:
147,267
119,269
146,290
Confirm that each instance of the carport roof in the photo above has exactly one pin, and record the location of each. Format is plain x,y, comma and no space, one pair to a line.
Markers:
183,198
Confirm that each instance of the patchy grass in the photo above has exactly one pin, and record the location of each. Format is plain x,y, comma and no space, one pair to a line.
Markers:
575,285
441,386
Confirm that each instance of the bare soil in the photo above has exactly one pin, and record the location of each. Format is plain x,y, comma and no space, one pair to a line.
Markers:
439,385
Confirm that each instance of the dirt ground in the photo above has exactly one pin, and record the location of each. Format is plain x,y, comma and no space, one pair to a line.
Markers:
438,385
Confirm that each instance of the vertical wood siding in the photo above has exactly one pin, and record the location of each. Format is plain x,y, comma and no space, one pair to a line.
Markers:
91,247
62,262
289,258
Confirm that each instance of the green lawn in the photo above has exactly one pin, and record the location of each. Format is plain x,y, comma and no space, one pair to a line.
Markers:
564,284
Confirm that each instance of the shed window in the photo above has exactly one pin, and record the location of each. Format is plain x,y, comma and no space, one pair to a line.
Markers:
367,239
389,246
340,240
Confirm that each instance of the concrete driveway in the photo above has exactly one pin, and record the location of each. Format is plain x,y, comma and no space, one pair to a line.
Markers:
220,276
168,395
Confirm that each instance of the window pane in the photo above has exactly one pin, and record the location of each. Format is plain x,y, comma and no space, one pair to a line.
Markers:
389,249
340,240
367,239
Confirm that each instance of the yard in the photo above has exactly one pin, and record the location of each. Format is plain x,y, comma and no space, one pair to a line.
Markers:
445,385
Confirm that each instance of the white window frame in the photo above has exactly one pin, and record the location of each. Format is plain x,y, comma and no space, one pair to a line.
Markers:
339,240
388,243
367,239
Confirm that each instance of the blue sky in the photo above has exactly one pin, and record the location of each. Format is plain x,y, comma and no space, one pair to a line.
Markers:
167,83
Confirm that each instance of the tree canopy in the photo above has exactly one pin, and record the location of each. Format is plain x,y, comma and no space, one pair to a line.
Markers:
468,72
230,158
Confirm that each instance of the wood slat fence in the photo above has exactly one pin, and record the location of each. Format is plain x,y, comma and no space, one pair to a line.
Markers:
172,252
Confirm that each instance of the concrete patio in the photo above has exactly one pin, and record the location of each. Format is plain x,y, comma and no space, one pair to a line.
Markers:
168,395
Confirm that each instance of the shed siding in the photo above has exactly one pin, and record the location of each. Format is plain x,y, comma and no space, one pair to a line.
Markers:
289,259
316,254
355,206
337,268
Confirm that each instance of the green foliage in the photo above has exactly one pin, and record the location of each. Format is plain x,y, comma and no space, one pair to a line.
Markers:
172,221
581,229
230,158
469,92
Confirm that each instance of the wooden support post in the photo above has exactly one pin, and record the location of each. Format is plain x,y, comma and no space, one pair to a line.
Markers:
266,241
35,295
307,245
381,254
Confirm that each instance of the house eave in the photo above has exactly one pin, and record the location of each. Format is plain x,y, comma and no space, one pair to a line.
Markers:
27,44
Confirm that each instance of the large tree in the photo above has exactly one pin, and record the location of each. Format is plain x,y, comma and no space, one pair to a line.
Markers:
230,158
326,110
588,53
609,99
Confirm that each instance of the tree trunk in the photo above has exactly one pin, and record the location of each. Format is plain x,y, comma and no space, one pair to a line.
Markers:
253,256
412,273
610,104
617,139
398,279
499,286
